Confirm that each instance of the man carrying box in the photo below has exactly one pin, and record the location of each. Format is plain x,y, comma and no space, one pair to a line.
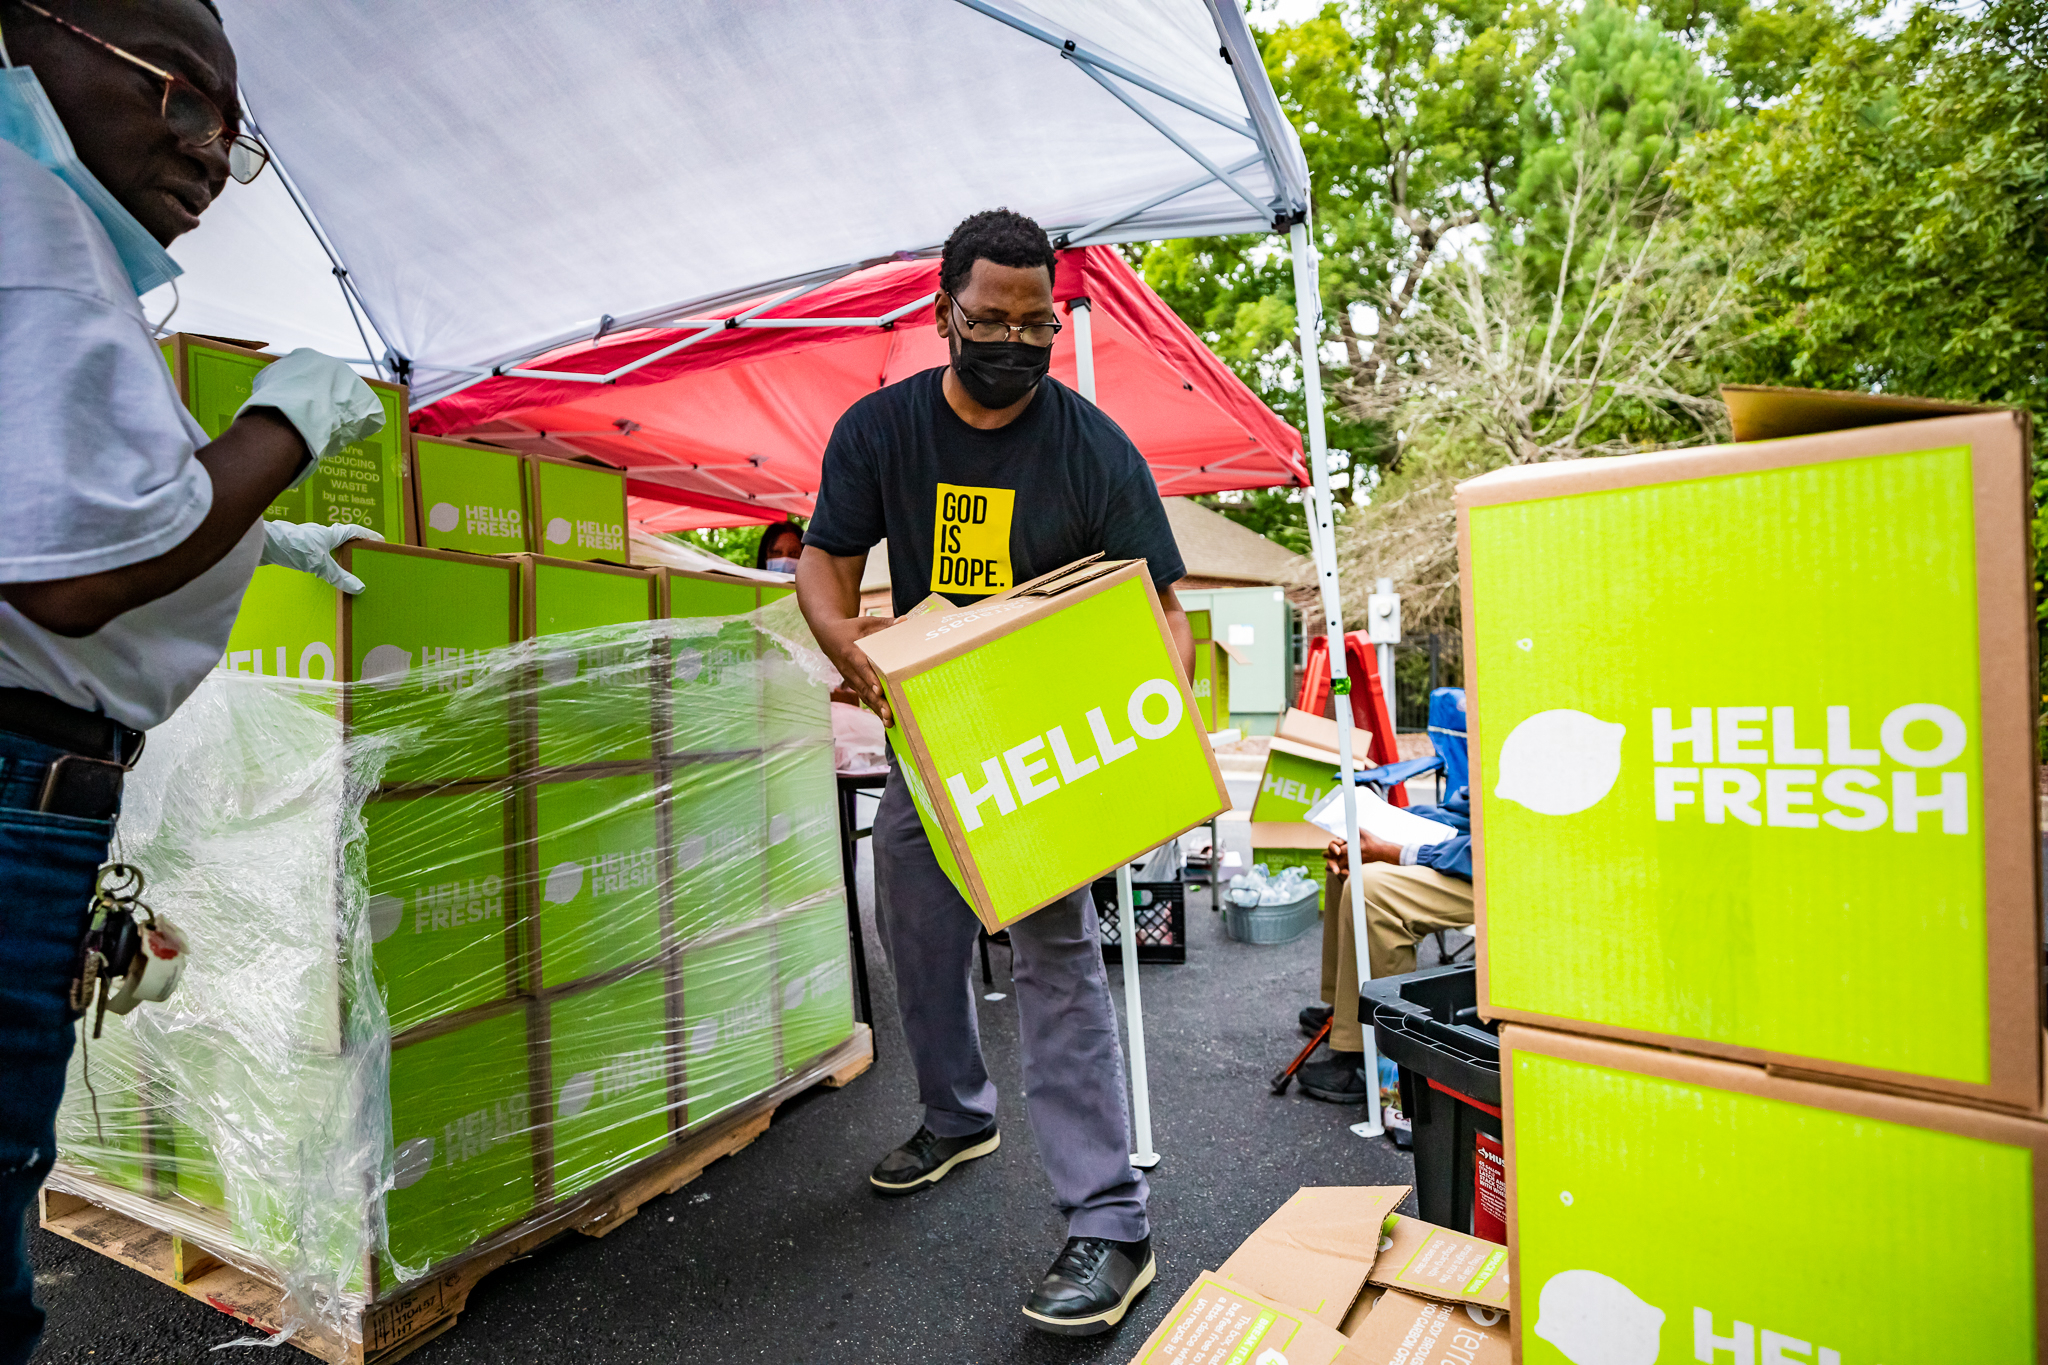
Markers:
126,537
981,475
1409,892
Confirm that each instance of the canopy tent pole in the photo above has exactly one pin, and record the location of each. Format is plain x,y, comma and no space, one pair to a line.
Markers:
1308,309
1145,1158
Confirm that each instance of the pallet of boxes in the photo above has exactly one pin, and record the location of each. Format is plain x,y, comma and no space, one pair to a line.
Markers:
514,894
1758,889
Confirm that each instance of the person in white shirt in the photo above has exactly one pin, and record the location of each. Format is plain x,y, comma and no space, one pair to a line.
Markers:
126,537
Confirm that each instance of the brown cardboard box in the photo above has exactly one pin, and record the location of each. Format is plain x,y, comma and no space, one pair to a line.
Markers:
1316,1251
1438,1263
1300,764
1217,1323
1404,1330
1624,593
1708,1200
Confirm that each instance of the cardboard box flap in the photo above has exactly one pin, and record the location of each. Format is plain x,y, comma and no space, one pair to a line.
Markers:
1219,1323
1071,577
1423,1332
1437,1263
1763,412
1290,834
1320,732
1315,1252
1316,753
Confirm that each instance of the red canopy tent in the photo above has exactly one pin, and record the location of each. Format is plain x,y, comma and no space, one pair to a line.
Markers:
728,428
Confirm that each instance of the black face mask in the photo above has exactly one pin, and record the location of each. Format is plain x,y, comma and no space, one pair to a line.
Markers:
999,373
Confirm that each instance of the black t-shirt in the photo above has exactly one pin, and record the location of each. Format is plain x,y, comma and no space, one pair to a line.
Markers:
968,512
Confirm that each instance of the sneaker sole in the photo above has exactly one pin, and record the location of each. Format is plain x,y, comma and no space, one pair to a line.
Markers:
926,1181
1096,1323
1333,1096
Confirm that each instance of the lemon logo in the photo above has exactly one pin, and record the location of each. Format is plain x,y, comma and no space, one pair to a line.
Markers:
558,668
1560,762
690,853
411,1161
565,883
704,1036
384,913
1595,1319
793,994
558,531
575,1097
385,666
444,516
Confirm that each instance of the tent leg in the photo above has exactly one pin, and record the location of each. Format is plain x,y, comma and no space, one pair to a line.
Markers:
1308,308
1134,1011
1083,313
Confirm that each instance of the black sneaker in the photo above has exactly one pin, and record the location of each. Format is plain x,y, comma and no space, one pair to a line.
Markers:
1092,1284
926,1158
1313,1018
1336,1078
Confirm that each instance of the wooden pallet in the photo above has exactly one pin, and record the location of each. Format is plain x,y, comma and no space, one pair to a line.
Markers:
394,1327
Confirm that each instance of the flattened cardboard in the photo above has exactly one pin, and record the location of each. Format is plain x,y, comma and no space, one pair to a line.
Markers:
999,691
1850,1224
1320,732
1436,1263
1415,1331
1972,963
1217,1323
1317,1249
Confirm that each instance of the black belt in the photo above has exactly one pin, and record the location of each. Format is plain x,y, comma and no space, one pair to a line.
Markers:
41,717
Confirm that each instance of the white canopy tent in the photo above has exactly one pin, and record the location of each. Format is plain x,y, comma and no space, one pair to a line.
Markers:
496,179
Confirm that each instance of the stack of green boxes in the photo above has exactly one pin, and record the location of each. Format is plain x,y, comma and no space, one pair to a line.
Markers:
598,869
1211,683
1758,882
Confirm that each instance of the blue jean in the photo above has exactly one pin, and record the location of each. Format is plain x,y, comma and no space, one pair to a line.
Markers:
47,866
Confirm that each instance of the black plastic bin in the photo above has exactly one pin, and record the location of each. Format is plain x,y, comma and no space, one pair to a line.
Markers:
1161,917
1428,1024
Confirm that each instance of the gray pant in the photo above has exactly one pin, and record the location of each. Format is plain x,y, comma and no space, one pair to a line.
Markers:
1073,1061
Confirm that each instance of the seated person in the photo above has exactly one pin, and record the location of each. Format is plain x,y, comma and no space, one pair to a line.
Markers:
1409,892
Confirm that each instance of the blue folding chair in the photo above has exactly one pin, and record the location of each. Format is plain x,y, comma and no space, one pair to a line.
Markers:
1447,736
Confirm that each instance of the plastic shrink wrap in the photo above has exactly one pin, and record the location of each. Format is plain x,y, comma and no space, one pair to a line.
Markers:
468,938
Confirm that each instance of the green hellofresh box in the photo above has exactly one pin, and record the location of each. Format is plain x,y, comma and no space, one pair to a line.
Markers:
795,708
443,907
365,483
579,510
1301,767
815,996
592,703
1671,1208
415,635
686,593
803,825
462,1139
728,1016
609,1063
1212,684
1756,728
596,875
1046,734
717,813
469,497
715,688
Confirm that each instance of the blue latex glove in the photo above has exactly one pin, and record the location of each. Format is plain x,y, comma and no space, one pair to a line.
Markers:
309,547
325,400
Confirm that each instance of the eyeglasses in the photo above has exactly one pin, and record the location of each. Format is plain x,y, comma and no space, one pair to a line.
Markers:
1030,333
193,119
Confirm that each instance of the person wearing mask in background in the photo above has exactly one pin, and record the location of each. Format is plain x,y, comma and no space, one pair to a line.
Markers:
782,544
1051,480
1409,891
126,537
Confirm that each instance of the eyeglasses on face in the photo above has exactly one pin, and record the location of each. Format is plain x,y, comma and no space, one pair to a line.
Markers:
193,119
988,329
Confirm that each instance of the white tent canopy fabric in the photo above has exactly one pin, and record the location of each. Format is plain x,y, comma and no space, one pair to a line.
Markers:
502,177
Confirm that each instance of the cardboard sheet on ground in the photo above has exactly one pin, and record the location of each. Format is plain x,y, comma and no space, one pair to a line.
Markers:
1316,1251
1378,819
1217,1323
1416,1331
1438,1263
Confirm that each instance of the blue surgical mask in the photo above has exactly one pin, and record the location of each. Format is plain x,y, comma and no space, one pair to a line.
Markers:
28,121
780,565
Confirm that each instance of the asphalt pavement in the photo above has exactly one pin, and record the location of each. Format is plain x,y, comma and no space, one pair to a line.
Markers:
782,1253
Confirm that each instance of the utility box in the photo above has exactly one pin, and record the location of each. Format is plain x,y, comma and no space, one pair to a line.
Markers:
469,497
1046,733
1756,725
579,510
1731,1214
365,483
417,634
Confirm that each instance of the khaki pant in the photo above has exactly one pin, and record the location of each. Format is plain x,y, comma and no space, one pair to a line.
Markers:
1401,905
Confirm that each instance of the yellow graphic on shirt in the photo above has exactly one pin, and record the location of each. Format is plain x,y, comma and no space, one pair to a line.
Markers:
971,539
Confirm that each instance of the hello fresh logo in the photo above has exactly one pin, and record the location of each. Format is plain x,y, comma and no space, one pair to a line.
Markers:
478,519
1595,1319
1020,776
443,905
588,535
608,874
462,1139
1779,767
618,1078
